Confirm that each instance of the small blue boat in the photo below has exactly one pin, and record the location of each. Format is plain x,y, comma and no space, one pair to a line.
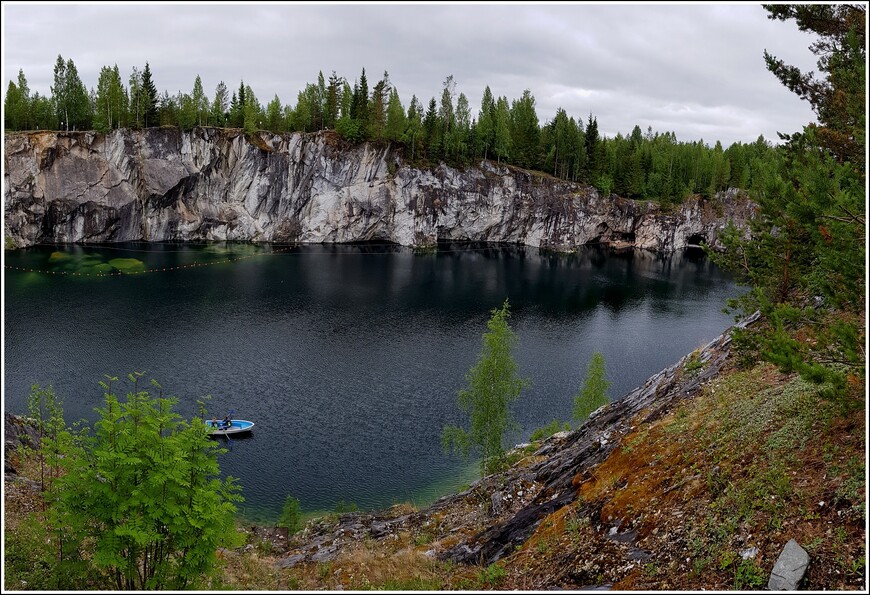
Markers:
236,426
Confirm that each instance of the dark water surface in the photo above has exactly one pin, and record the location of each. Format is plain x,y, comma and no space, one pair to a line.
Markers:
348,358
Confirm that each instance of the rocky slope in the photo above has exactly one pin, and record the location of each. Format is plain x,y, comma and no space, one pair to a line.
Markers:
695,480
162,184
499,512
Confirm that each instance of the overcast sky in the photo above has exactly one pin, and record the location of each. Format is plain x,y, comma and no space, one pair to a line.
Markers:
695,70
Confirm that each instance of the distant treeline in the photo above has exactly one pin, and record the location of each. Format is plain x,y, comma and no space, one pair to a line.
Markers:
642,165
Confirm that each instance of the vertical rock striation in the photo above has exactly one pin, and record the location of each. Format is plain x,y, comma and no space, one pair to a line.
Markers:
162,184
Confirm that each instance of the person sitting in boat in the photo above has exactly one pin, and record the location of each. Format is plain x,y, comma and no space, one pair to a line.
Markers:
227,421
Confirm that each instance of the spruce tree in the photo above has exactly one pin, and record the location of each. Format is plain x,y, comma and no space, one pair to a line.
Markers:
219,106
333,100
150,100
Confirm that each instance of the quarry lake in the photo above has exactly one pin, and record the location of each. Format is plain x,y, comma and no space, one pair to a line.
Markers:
347,357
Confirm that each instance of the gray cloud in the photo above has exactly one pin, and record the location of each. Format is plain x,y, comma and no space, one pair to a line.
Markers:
694,70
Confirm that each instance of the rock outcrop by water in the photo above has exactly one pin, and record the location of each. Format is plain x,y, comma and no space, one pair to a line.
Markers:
17,432
162,184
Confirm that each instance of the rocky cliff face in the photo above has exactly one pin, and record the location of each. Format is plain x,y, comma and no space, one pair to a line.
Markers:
162,184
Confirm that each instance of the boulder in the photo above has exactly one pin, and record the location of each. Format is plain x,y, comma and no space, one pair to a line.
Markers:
289,561
790,568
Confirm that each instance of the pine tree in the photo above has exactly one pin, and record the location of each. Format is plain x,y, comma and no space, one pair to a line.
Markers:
76,101
60,93
42,112
805,258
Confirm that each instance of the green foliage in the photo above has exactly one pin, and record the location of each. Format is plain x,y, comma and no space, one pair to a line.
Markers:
349,128
46,414
593,393
17,105
491,577
409,584
141,500
493,384
749,576
805,258
31,560
111,102
342,507
694,363
219,106
644,166
252,112
72,105
525,130
149,101
291,515
551,428
604,184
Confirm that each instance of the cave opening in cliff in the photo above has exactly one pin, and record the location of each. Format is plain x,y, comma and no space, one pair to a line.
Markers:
624,236
695,240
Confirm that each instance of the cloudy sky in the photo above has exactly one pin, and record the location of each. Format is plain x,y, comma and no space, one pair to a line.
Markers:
695,70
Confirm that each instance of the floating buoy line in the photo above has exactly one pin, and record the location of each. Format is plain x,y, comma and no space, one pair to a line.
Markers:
283,251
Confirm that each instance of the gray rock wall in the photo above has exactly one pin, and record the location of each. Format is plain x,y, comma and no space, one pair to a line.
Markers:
162,184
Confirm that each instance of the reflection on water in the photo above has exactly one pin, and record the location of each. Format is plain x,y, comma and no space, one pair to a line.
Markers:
348,358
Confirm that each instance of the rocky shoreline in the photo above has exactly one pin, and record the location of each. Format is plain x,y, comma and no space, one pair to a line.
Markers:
498,513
